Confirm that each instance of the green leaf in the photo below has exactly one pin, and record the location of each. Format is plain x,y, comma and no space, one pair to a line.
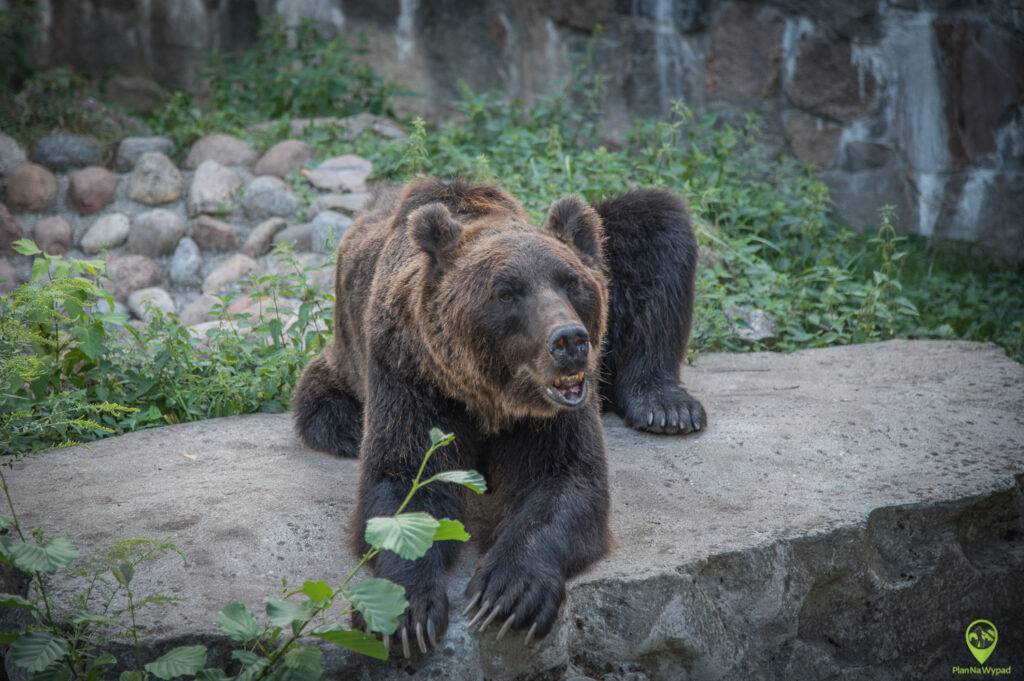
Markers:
212,674
410,535
318,590
283,613
135,675
238,623
9,637
55,672
448,530
356,641
13,601
439,438
48,557
306,658
26,247
379,601
36,651
470,479
123,573
247,658
181,661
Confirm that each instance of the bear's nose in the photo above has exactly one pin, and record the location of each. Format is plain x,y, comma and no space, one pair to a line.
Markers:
569,345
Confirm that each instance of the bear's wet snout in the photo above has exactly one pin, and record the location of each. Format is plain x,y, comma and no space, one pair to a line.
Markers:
569,344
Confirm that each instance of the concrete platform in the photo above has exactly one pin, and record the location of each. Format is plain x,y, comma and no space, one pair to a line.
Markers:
845,515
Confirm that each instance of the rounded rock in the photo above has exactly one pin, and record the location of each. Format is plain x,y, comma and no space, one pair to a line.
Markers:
224,149
9,279
131,149
64,151
92,189
31,188
284,158
142,301
186,266
53,235
327,229
10,230
261,238
127,273
213,189
11,155
155,180
268,197
155,232
108,231
228,273
214,235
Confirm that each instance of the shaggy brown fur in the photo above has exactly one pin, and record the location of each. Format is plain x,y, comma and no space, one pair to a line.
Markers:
454,312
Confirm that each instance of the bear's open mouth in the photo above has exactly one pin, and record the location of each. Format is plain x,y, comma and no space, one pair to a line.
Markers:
568,390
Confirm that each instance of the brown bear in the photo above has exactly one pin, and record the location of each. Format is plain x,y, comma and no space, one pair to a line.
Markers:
454,312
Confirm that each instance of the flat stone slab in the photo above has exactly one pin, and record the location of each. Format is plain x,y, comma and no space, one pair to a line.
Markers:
845,515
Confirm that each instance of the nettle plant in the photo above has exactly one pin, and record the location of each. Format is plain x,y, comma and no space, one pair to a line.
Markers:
73,641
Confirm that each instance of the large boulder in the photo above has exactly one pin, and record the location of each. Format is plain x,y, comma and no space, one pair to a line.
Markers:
846,514
11,156
229,273
268,197
214,235
10,229
826,81
186,265
745,54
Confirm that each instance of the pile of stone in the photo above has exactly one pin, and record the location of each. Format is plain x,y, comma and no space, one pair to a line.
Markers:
174,237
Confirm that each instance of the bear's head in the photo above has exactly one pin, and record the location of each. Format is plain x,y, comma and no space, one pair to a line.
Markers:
513,316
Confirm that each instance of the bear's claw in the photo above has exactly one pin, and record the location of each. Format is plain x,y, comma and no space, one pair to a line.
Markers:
666,409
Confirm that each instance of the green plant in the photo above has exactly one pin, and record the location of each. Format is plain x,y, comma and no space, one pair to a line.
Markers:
288,72
72,370
73,643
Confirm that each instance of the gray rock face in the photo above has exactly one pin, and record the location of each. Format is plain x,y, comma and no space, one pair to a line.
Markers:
108,231
10,230
345,203
268,197
155,232
751,325
62,151
327,229
155,180
213,189
185,268
831,523
132,148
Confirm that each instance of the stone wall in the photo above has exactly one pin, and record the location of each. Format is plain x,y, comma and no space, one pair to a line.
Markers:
918,103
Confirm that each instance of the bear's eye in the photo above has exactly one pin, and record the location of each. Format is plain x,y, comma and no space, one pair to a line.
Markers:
506,296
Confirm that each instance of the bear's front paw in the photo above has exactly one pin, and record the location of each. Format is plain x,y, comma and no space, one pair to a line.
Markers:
424,622
665,408
515,596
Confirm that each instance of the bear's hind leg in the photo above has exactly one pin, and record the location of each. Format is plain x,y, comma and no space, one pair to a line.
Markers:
327,415
652,259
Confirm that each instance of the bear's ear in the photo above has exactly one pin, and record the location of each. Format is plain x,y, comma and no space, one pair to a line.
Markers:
433,229
578,225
